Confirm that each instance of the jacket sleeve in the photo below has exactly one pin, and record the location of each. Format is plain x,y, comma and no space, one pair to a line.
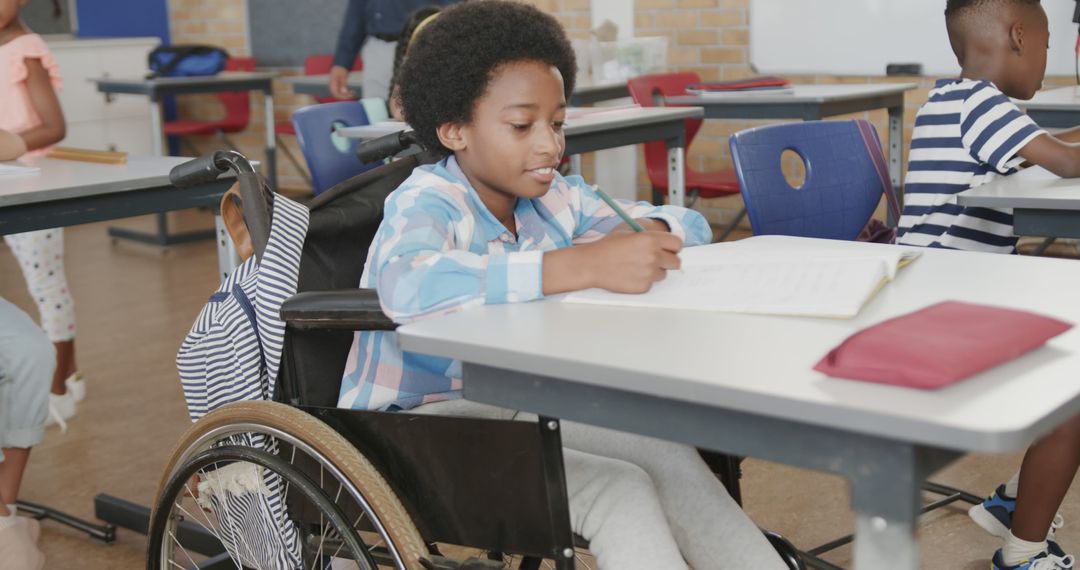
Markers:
420,270
595,218
352,35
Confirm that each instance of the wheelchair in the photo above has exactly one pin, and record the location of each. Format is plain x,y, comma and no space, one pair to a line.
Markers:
357,489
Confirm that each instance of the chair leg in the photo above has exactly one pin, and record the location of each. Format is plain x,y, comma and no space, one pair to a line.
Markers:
1046,243
185,141
228,141
296,163
731,227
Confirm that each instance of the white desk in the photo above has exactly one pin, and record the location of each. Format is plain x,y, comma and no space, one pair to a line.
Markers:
603,130
67,193
814,102
744,384
586,91
155,89
1054,108
1043,204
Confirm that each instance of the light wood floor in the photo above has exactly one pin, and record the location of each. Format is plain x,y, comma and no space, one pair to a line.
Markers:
135,303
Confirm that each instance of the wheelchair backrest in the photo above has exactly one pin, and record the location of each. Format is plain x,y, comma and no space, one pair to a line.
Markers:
342,225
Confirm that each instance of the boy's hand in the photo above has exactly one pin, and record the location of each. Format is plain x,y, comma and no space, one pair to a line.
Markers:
631,263
620,262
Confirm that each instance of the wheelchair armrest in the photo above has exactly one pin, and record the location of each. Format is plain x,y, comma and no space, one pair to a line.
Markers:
350,309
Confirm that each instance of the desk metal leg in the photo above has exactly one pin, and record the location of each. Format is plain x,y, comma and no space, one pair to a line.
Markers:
228,257
676,170
161,237
896,155
575,164
271,140
886,496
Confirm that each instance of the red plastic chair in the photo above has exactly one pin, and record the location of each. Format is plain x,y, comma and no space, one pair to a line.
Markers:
318,64
650,91
237,111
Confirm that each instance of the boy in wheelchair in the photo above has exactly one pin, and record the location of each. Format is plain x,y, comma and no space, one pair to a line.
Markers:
486,86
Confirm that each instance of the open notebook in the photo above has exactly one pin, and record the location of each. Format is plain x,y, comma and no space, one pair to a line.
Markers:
830,284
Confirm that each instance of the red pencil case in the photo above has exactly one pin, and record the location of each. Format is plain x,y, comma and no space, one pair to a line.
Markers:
939,345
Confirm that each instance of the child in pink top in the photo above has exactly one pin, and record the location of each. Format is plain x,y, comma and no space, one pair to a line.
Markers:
30,122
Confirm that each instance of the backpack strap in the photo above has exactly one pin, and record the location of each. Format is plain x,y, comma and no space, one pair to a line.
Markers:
873,148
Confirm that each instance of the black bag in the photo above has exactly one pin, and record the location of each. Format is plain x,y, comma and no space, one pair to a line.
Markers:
186,61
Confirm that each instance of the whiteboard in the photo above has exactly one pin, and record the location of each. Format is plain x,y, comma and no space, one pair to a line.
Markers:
859,37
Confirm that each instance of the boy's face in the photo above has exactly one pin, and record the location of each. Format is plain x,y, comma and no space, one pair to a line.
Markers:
514,143
1030,65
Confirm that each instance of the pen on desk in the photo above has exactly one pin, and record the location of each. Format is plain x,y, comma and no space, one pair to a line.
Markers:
618,210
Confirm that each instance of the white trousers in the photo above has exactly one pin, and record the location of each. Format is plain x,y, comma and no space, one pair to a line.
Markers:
644,503
41,258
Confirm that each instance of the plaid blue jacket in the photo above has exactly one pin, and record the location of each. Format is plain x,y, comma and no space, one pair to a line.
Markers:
440,250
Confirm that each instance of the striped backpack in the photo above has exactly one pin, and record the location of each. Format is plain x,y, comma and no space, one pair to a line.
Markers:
231,354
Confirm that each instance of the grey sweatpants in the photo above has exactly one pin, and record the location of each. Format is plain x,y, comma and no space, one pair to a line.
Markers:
27,360
643,503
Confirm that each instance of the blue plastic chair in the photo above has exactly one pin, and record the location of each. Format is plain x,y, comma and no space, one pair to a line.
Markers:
845,178
330,157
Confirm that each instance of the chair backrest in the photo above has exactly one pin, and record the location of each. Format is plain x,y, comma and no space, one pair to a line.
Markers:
320,64
842,187
650,91
330,157
237,103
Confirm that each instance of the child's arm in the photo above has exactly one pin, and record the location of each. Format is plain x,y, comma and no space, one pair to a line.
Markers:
1054,154
52,128
421,270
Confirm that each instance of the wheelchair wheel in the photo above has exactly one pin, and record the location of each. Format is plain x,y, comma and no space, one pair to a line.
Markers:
337,504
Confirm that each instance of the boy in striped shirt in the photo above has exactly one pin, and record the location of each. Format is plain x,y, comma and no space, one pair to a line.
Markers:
968,133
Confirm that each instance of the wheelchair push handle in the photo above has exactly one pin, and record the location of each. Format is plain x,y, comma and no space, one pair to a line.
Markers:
385,146
208,167
255,202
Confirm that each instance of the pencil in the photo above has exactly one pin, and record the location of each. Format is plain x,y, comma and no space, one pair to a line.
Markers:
622,214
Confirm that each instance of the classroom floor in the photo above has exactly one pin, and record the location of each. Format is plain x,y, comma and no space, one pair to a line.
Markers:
135,303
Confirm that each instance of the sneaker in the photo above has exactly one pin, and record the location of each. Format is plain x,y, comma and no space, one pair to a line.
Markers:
61,408
995,514
1041,561
17,550
76,386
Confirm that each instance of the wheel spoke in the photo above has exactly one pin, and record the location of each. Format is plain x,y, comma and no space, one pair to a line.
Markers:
173,562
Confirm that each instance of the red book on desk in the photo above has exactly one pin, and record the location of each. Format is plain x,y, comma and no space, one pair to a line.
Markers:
939,345
748,84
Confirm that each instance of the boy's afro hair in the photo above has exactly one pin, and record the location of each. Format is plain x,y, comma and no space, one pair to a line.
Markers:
449,66
953,7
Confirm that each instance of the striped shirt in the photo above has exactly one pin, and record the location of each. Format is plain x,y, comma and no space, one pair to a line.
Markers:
440,250
966,134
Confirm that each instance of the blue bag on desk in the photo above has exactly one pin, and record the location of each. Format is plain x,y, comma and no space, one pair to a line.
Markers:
186,61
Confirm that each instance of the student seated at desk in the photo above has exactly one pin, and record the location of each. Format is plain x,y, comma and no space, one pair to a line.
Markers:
966,134
30,122
486,83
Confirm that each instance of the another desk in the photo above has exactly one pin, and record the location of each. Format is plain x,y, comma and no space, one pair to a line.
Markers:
744,384
814,102
67,193
586,92
319,85
1043,204
157,88
1054,108
607,129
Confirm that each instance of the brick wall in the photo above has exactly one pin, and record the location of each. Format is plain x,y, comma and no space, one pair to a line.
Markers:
709,37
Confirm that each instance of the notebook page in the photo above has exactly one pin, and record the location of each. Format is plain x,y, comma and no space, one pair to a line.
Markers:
822,286
13,169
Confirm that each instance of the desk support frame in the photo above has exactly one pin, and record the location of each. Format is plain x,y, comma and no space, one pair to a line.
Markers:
885,475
